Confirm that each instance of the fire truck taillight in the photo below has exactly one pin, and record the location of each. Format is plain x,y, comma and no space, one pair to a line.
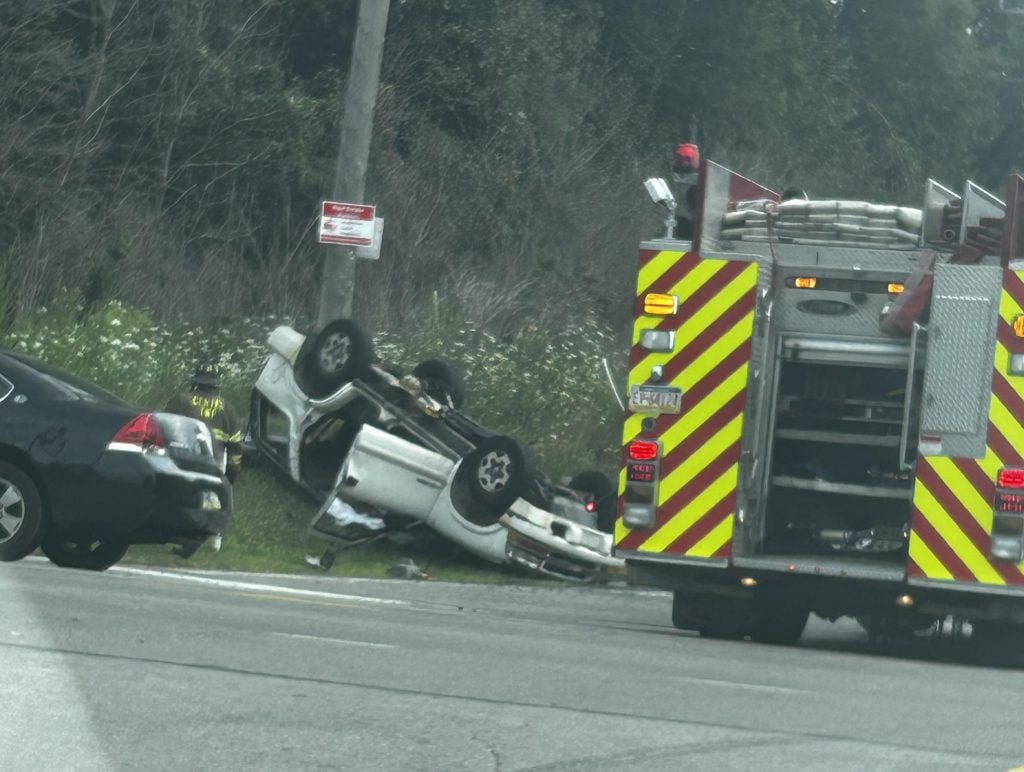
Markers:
657,304
658,340
1007,541
642,450
640,500
1018,326
896,288
805,282
1010,502
1010,478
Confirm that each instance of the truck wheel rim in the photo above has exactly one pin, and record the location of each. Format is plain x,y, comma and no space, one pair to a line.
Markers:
12,510
494,471
335,352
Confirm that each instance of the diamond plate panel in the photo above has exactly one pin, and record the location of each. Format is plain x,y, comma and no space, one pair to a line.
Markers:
961,346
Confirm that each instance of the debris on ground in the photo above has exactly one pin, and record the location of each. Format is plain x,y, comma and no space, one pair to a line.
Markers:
407,569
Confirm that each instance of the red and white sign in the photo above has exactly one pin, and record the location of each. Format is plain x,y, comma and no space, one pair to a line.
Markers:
350,224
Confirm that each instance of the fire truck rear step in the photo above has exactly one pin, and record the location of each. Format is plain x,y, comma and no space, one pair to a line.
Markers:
823,565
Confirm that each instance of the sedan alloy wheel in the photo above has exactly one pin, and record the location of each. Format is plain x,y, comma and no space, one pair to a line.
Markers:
12,510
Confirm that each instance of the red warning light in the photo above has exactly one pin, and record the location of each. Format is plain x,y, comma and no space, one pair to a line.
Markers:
643,450
1010,478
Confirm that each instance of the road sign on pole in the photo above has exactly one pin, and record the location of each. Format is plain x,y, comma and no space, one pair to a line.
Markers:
349,224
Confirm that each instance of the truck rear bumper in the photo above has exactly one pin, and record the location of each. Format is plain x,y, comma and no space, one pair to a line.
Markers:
833,595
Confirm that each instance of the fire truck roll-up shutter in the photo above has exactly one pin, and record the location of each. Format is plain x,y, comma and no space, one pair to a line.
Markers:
688,381
967,437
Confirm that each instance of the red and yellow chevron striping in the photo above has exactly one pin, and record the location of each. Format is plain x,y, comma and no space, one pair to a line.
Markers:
953,497
709,362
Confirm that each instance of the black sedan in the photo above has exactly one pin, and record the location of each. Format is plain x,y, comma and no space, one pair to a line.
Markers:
84,475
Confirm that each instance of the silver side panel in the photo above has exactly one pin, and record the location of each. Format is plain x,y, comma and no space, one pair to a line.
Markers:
961,347
755,435
936,197
716,200
393,474
978,203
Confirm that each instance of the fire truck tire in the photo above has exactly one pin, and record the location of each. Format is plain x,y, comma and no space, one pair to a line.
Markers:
87,555
600,487
342,352
723,618
778,622
496,473
443,381
998,643
682,618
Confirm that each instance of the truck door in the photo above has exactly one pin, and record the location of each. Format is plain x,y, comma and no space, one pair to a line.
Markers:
972,427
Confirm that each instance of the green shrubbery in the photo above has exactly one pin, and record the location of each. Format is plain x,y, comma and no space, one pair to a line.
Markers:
122,349
545,388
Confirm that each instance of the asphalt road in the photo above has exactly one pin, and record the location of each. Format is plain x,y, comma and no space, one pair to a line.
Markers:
138,670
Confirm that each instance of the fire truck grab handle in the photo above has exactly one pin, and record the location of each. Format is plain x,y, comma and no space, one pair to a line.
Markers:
908,399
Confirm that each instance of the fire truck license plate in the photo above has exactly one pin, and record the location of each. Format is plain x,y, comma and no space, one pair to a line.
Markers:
655,399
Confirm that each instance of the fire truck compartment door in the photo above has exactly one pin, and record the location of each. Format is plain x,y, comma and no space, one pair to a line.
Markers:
958,371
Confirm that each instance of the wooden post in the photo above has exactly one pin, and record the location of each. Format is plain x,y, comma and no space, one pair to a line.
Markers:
339,270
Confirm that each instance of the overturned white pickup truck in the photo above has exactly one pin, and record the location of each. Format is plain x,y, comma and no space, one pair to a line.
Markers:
346,429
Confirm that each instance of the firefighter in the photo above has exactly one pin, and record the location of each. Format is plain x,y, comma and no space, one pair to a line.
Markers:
685,165
203,400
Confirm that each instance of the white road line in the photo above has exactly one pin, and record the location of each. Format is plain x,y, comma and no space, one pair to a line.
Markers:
230,584
367,644
741,685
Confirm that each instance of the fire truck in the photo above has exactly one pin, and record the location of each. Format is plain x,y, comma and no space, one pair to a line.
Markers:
826,412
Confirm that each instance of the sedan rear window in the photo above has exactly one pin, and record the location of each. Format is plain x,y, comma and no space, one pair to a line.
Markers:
67,384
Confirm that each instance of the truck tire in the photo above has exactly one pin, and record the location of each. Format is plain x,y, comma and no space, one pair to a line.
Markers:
443,381
22,520
342,352
724,618
681,612
89,555
998,643
600,487
496,473
778,621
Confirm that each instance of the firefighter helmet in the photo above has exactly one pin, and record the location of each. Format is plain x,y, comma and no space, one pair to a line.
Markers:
206,375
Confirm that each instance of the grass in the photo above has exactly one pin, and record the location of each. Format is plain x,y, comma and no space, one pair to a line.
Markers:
270,534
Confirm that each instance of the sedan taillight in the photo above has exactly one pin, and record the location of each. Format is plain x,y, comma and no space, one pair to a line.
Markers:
141,433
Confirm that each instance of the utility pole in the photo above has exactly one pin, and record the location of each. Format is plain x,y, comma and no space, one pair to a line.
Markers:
339,271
